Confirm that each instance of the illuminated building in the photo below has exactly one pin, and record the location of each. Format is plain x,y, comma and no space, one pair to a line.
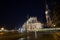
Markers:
32,24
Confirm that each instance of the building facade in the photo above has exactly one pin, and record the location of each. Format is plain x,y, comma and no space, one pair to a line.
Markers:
32,24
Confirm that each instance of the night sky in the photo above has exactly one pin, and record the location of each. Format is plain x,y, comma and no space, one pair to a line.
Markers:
14,12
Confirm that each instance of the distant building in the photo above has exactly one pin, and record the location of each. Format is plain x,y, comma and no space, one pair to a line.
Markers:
32,24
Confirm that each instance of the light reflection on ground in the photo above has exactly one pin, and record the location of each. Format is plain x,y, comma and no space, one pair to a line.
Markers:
43,36
30,36
1,33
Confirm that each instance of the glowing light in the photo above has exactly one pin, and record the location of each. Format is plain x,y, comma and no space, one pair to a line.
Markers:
46,12
54,25
21,30
2,28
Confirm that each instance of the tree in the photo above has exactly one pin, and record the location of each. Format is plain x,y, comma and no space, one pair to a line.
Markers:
56,14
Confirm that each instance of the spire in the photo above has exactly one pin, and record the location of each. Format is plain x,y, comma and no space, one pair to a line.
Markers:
48,20
46,6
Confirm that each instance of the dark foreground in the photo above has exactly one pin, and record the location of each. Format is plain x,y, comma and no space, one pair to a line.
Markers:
30,36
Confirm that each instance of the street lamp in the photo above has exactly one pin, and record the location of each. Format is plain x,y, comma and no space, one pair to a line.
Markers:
54,25
2,28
